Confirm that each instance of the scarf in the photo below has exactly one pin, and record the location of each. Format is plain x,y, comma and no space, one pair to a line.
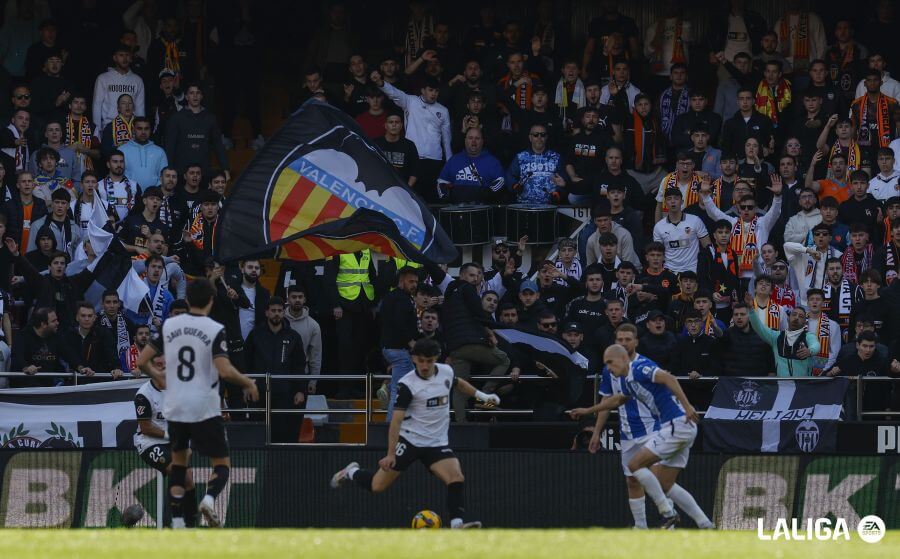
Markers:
522,95
121,331
785,296
415,36
78,131
667,113
122,130
657,64
883,118
19,153
812,266
197,230
112,201
800,41
692,196
574,271
891,258
773,314
887,230
173,58
641,141
851,152
823,332
692,192
844,304
157,305
848,261
708,326
578,98
772,103
732,267
744,243
131,357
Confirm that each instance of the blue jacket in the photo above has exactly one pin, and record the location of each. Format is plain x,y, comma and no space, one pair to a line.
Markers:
144,163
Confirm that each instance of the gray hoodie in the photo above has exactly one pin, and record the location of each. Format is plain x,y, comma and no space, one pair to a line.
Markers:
311,334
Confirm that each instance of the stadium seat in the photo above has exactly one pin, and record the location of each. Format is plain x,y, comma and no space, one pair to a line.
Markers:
307,431
317,402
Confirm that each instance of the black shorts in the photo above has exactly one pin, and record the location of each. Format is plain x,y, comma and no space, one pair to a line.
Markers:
407,453
158,456
206,437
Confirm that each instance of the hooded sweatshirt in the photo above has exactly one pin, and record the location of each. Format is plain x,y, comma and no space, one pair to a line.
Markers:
311,334
107,89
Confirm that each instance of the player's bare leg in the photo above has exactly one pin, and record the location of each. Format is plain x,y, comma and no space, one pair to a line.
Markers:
636,502
680,496
376,482
217,481
177,483
450,472
640,469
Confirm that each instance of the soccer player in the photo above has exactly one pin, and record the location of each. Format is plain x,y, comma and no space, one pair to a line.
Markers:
152,438
638,425
418,431
196,357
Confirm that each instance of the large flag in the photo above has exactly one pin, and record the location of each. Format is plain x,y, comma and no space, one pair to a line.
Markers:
774,415
544,348
320,188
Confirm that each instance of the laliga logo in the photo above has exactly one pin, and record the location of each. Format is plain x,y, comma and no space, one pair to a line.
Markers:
871,529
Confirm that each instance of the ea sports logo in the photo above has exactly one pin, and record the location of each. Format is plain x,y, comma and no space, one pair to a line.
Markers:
871,529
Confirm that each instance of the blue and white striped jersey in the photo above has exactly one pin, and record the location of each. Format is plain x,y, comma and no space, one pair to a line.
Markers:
635,419
657,398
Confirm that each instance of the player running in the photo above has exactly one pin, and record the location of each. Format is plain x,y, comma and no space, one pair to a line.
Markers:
152,438
637,425
418,431
193,344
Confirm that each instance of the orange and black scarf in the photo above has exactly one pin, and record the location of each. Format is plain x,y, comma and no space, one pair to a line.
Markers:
640,140
522,94
800,41
122,130
692,196
173,58
78,131
744,243
773,314
884,106
196,231
851,152
657,63
772,103
692,193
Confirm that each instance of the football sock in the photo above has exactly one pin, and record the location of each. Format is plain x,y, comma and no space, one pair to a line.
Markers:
363,478
189,507
217,481
654,489
456,499
176,489
688,504
456,522
639,512
351,471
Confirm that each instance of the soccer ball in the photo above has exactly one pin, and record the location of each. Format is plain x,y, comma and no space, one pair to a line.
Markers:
426,519
132,515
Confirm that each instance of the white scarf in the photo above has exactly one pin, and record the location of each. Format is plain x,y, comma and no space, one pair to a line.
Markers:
18,153
578,98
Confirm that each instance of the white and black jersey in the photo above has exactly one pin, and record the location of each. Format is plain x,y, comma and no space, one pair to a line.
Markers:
148,404
190,343
427,405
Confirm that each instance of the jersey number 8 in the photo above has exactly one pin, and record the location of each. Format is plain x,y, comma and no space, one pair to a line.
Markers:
185,369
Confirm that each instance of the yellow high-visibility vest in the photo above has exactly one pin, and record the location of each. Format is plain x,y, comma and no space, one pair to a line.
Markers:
399,262
353,276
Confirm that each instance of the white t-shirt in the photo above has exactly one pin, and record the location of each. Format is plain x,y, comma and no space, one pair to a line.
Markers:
190,344
738,39
884,187
248,316
427,417
148,404
682,241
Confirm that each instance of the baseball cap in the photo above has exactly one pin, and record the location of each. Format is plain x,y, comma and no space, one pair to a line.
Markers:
572,327
166,73
654,314
528,285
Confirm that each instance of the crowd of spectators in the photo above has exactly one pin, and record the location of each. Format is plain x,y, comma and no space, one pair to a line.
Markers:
743,193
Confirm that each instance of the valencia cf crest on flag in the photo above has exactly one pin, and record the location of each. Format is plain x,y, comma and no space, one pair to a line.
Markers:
320,188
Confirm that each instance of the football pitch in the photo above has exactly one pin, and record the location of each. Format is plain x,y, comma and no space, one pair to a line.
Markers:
430,544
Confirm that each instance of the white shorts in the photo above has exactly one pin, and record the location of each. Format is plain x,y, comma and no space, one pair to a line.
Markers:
630,448
672,443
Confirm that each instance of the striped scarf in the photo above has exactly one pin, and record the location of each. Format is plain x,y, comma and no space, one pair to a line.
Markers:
691,192
773,314
744,243
887,230
122,130
692,196
800,39
196,230
771,102
883,117
574,271
21,152
891,259
851,152
844,303
708,325
415,37
173,57
131,357
823,332
667,113
657,64
849,263
522,94
78,131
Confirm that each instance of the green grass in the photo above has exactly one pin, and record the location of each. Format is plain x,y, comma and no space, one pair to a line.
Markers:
399,544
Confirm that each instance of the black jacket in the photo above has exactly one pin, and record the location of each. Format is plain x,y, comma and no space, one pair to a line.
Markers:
462,315
279,353
399,323
681,128
97,350
744,354
261,299
15,214
737,131
61,295
191,136
659,348
47,353
693,354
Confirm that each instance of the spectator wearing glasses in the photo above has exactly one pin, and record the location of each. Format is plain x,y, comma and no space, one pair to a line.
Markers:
793,347
535,175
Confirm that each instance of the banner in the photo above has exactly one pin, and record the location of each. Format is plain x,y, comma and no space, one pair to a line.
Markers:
774,416
99,415
320,188
542,346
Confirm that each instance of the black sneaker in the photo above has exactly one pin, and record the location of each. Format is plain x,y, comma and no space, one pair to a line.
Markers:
670,522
